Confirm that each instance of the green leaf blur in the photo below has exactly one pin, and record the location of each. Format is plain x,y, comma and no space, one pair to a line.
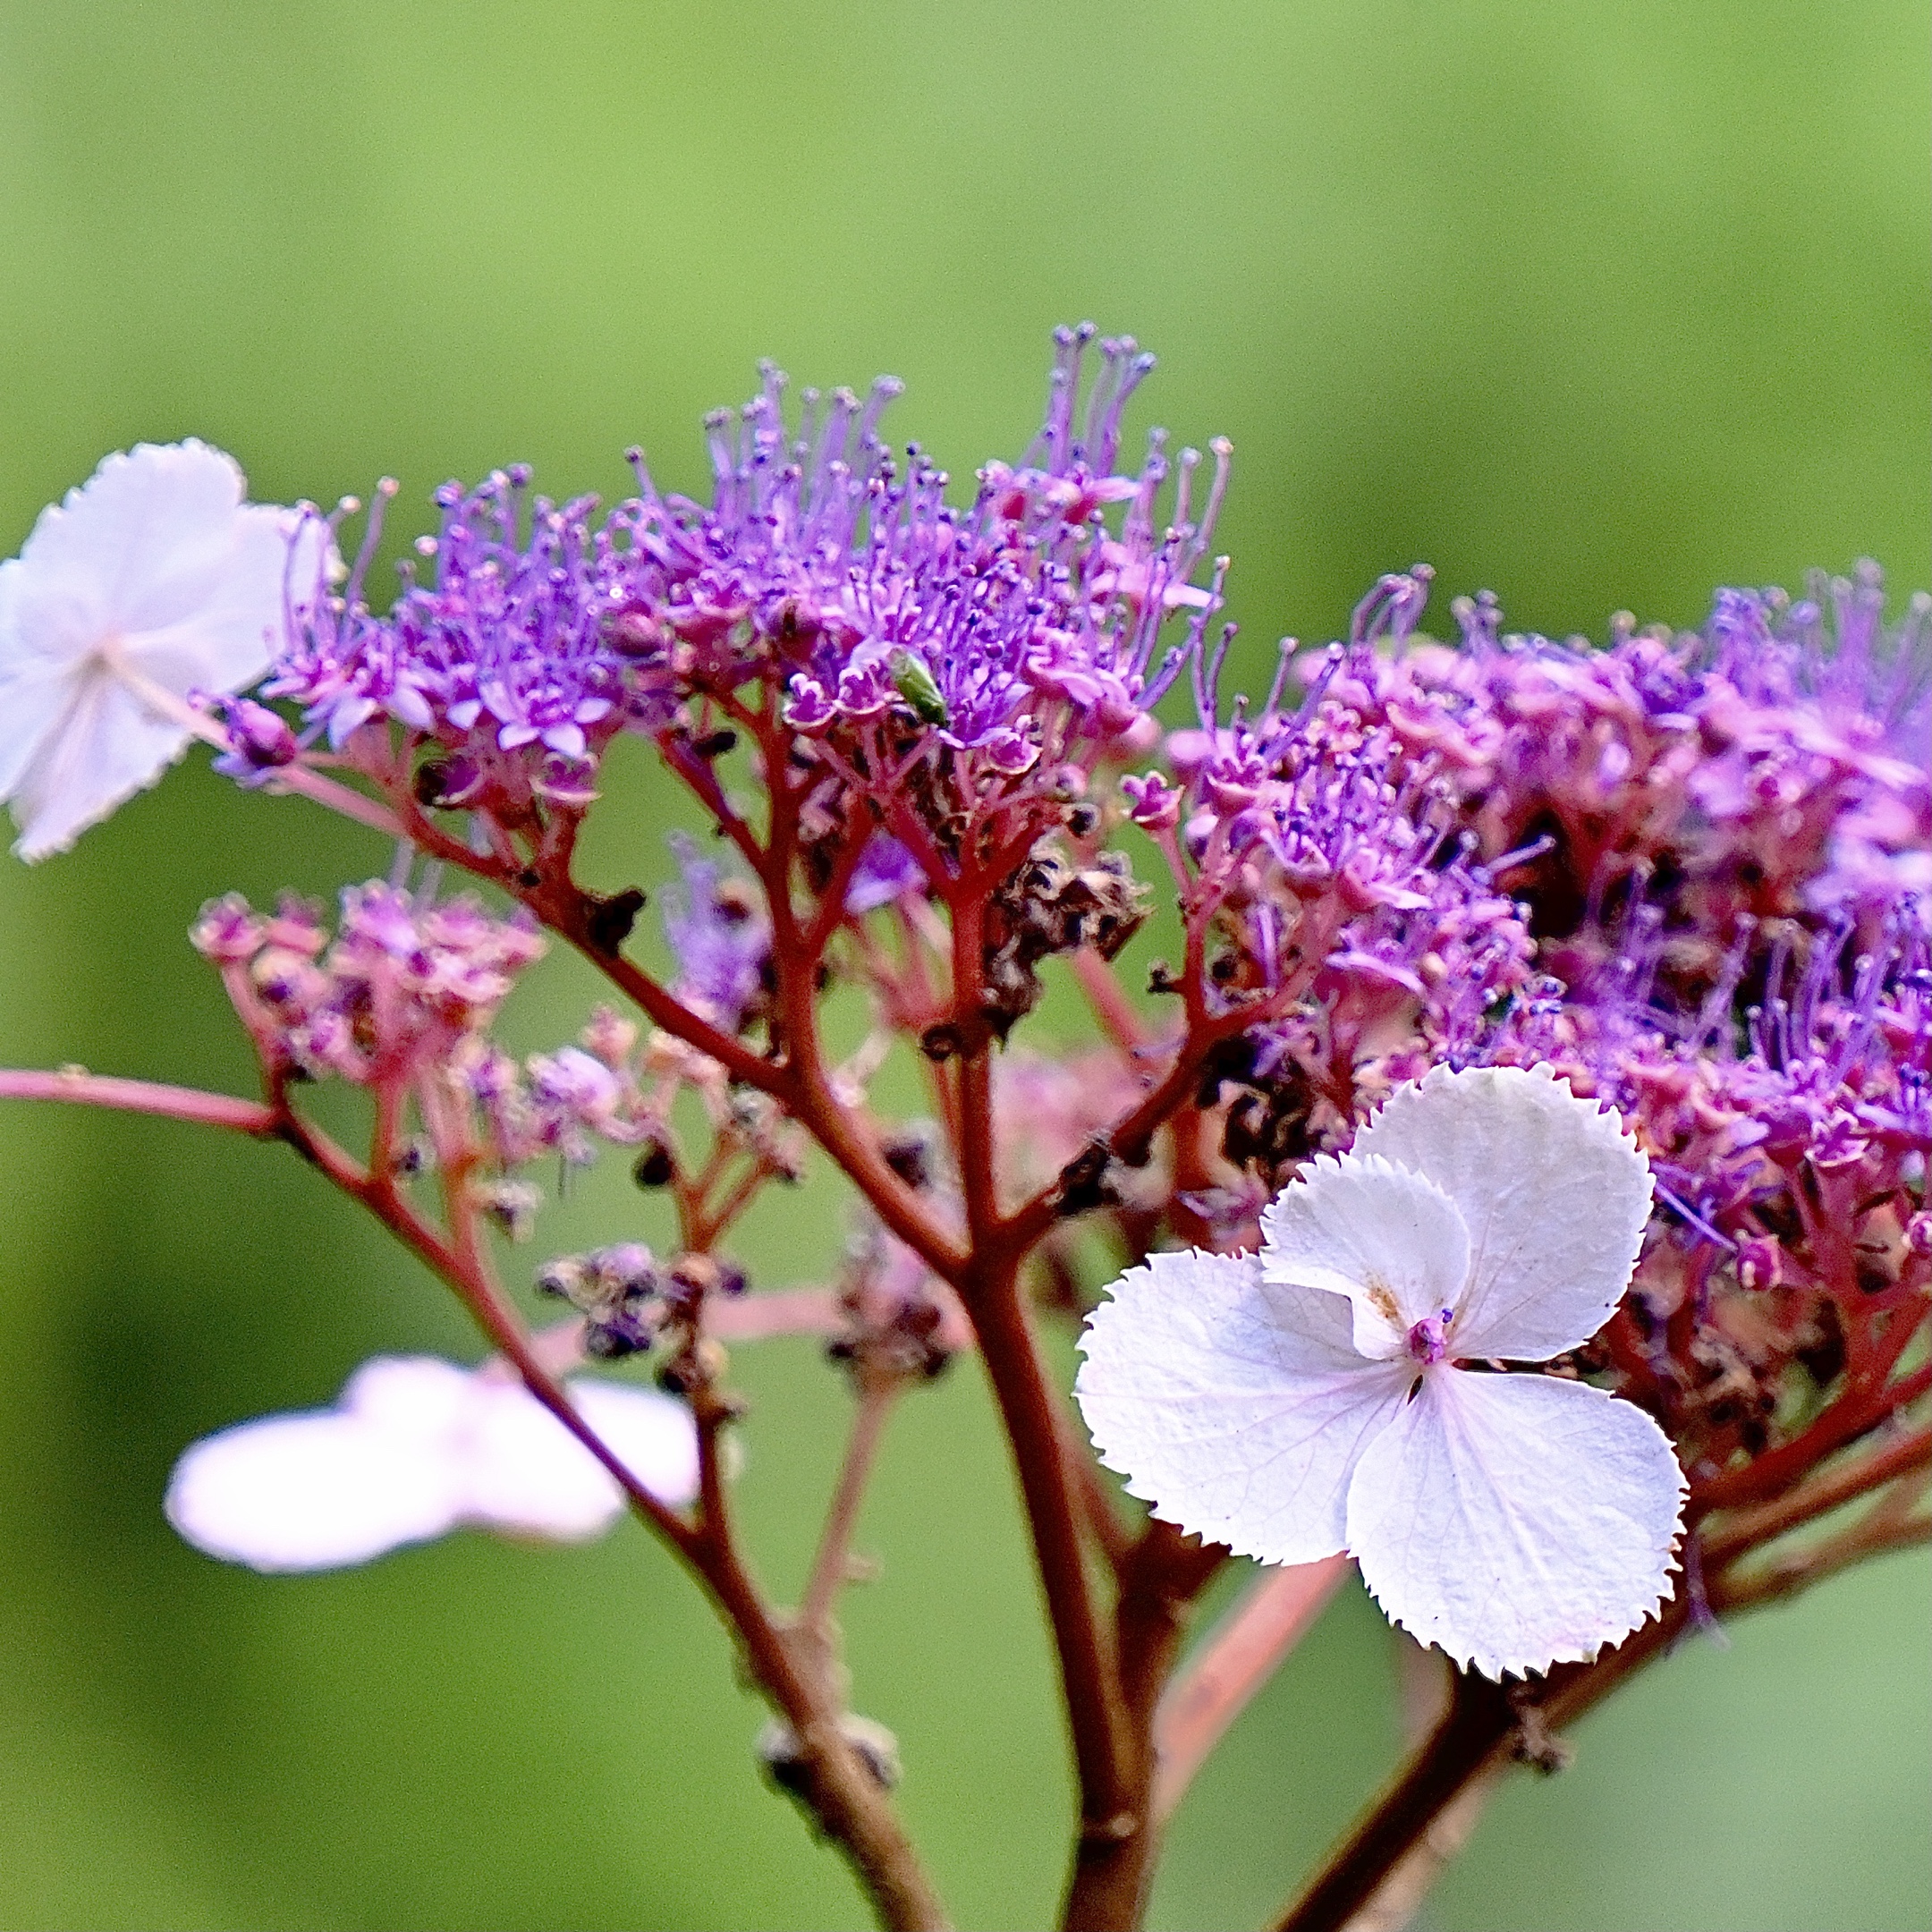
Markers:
1599,306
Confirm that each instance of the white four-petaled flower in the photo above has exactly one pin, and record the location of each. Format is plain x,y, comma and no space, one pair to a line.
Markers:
153,579
1313,1398
416,1447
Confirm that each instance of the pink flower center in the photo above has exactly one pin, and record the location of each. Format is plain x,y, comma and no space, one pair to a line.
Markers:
1426,1339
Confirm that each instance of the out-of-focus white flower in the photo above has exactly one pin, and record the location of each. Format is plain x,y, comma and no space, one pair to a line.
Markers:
153,579
416,1447
1312,1398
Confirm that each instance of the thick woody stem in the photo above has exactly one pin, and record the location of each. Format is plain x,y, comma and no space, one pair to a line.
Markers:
1160,1581
1027,1406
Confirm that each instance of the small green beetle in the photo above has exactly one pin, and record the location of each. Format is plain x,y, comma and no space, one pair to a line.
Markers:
914,683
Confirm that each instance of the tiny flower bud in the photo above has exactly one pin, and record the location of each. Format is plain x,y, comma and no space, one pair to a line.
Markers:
654,1167
1758,1263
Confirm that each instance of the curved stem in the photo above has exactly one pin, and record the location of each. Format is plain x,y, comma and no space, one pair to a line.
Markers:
839,1787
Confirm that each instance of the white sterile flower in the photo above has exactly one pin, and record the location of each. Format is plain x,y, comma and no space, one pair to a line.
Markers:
416,1447
153,579
1312,1398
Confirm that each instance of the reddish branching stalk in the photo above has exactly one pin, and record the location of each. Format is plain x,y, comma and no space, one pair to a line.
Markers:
837,1784
1743,1562
142,1097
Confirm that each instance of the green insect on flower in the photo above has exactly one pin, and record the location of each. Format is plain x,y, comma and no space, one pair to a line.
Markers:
915,684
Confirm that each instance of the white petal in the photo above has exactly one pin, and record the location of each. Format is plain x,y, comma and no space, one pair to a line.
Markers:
1388,1239
653,1436
156,563
421,1396
104,746
311,1491
226,638
1236,1409
524,1472
136,547
1516,1521
31,700
1553,1191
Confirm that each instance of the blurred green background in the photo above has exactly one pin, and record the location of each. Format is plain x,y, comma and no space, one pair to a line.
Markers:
1599,306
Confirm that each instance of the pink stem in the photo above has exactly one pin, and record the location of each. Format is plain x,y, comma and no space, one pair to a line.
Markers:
1234,1663
141,1097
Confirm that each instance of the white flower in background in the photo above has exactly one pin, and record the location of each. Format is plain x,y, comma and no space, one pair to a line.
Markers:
414,1448
153,579
1309,1399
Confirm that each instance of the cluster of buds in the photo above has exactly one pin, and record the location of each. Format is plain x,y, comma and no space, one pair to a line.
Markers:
1051,906
629,1302
403,989
899,1322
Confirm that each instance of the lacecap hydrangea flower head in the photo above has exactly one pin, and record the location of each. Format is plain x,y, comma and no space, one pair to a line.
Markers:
1343,1388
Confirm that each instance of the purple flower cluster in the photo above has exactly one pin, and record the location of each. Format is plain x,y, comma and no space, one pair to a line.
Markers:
508,666
1775,765
1713,847
1346,896
1019,631
1793,1246
1717,847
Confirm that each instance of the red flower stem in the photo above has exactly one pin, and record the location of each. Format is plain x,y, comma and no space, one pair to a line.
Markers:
1737,1531
1099,1517
831,912
1855,1414
1131,1132
801,1083
303,781
1477,1726
1118,1016
1161,1576
990,1289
